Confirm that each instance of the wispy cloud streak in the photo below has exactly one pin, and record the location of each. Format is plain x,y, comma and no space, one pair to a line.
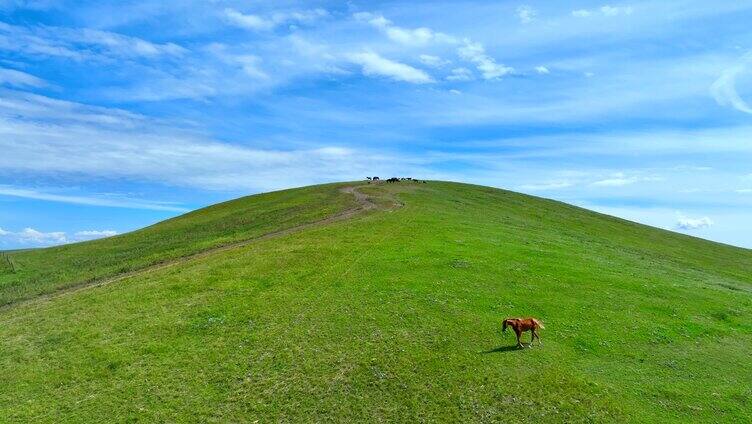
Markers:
88,200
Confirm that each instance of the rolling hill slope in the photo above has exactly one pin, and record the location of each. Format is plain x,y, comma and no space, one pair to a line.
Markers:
388,313
45,271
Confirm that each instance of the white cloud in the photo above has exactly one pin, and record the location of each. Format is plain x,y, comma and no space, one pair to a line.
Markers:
121,44
615,182
300,16
26,106
317,57
526,14
684,223
744,190
468,50
261,23
616,10
692,168
551,185
724,88
250,64
373,64
99,144
112,202
476,53
433,61
456,92
80,43
408,36
460,74
417,36
605,10
619,179
32,237
248,21
542,70
18,79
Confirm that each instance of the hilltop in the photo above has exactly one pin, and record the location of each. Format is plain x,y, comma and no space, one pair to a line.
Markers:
378,302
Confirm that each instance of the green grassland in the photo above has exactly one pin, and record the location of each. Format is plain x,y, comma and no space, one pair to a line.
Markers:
391,315
44,271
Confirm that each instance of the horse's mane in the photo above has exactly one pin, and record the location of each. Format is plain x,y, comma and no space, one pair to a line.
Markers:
540,324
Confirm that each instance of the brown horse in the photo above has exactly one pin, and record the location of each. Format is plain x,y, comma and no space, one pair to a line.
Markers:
520,325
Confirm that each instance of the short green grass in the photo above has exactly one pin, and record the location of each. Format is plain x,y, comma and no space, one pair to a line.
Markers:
395,316
42,271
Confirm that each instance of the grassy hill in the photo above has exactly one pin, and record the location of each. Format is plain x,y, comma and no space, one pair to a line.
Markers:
390,313
42,271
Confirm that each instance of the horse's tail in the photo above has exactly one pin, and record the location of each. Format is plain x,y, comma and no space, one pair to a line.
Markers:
539,324
504,327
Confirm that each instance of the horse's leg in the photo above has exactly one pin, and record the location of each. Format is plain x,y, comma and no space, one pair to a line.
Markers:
518,333
535,332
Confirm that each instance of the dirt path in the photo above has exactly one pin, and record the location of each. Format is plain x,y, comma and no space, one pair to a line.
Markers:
363,204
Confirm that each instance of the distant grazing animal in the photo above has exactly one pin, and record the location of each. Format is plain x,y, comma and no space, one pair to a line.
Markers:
368,178
520,325
393,180
375,178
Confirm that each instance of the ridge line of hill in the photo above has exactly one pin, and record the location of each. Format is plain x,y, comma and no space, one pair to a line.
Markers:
364,204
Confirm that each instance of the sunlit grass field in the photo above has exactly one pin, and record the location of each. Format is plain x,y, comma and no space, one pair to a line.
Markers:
44,271
391,315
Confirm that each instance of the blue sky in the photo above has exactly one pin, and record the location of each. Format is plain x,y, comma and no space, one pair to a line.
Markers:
118,114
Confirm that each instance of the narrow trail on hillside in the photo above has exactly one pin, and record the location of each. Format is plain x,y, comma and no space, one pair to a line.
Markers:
363,204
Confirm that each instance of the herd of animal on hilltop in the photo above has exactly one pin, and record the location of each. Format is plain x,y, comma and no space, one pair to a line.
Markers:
395,179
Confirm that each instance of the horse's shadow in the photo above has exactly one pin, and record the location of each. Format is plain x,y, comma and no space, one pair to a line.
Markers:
501,349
